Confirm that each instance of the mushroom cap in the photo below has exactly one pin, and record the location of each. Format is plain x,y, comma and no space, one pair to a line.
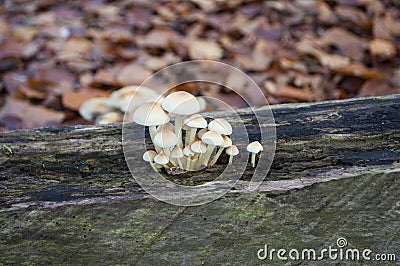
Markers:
94,107
108,118
212,138
198,147
255,147
167,126
121,98
221,126
201,132
177,152
149,155
227,142
232,150
151,114
161,159
165,139
181,103
195,121
187,151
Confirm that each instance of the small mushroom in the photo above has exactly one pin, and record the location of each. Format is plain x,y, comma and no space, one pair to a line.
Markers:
166,139
212,139
203,103
177,153
221,126
148,156
131,97
167,126
201,132
232,151
180,103
194,122
94,107
198,148
109,118
162,159
254,148
227,143
151,115
187,151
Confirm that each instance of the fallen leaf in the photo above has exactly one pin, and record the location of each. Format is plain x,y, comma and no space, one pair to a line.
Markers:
74,99
75,48
287,91
204,49
382,48
38,116
24,33
359,70
31,93
377,87
133,74
261,58
354,15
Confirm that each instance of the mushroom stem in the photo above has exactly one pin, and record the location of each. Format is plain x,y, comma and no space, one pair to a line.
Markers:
203,160
167,152
153,132
178,129
153,166
253,159
192,134
194,161
216,157
230,159
179,163
188,163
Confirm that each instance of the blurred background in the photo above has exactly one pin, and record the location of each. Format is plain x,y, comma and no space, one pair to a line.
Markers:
56,55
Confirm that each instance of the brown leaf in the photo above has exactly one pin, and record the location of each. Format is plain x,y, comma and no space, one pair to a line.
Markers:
204,49
105,77
261,57
31,93
386,27
12,80
382,48
74,99
10,49
287,91
133,74
359,70
75,48
354,15
38,116
377,87
24,33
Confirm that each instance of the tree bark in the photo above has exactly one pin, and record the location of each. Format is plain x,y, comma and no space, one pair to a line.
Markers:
67,196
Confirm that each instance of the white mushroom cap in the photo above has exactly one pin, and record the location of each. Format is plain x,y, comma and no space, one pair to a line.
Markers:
212,138
151,114
203,103
94,107
167,126
201,132
165,139
221,126
227,142
108,118
181,103
161,159
255,147
177,152
187,151
121,98
232,150
149,155
198,147
195,121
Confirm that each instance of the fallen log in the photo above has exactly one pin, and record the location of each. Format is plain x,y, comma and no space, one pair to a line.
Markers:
68,197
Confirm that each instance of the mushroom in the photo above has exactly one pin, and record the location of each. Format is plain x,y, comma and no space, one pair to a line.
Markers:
201,132
177,153
151,115
131,97
162,159
198,148
166,139
254,148
232,151
227,143
203,103
94,107
180,103
108,118
194,122
187,151
148,156
221,126
167,126
212,139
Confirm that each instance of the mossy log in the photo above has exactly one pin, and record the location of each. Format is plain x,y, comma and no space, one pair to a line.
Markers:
68,198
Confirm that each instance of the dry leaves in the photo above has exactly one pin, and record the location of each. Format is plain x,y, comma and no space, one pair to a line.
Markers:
55,55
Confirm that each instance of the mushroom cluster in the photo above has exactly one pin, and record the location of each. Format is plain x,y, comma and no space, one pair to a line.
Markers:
191,143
